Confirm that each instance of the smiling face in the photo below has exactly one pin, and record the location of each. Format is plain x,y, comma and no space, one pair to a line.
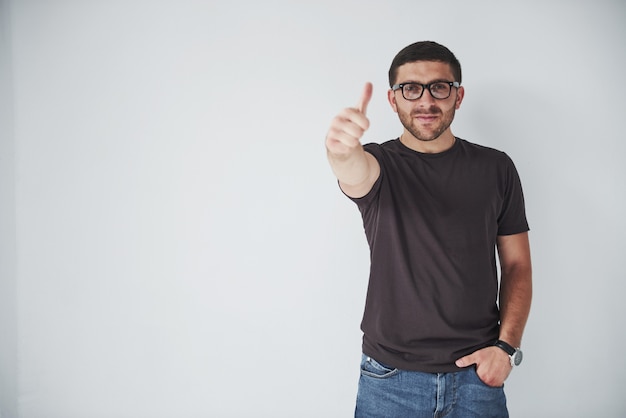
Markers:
426,120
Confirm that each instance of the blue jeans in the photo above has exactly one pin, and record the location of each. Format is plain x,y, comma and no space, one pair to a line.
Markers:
385,392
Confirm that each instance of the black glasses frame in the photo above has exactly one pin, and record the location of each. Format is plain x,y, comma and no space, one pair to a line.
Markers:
426,87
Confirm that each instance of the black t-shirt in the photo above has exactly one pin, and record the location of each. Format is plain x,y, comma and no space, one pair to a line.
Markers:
431,221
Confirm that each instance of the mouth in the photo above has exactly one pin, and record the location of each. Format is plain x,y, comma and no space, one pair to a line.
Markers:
425,118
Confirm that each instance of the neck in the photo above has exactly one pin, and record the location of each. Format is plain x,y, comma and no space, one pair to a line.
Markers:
440,144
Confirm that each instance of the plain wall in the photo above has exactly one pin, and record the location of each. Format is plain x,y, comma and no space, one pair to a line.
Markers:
8,244
175,245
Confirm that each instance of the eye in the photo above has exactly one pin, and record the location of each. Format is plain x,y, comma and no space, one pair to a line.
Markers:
440,87
412,88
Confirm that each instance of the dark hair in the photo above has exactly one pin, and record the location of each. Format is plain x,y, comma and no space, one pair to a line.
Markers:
425,51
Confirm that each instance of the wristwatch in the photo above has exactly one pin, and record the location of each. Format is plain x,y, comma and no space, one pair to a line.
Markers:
515,354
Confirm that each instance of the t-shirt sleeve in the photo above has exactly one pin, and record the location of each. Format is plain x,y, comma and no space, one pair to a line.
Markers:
512,217
365,201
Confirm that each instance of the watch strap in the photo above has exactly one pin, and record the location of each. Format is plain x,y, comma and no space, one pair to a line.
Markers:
505,346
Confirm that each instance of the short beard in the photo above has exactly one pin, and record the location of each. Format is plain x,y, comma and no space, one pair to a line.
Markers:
409,123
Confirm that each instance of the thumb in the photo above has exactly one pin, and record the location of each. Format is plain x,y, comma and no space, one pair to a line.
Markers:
365,98
466,361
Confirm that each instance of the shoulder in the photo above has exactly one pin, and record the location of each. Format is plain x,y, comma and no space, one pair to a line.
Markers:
387,146
479,149
387,150
482,152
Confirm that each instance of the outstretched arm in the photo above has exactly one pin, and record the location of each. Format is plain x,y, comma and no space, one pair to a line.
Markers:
356,169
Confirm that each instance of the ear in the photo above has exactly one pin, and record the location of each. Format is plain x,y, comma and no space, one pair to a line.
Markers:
392,100
459,97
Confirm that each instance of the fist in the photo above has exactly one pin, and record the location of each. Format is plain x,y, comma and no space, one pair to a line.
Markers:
347,128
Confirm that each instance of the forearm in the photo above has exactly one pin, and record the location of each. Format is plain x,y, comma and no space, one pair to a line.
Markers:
515,286
493,364
515,301
353,168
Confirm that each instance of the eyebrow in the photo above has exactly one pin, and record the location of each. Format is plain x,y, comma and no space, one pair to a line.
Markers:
438,80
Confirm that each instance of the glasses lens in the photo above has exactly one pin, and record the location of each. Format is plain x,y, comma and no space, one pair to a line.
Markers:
440,90
412,91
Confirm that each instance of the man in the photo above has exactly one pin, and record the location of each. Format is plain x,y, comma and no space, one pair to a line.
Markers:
436,339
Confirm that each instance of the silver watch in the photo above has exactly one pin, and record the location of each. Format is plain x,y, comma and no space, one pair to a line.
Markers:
515,354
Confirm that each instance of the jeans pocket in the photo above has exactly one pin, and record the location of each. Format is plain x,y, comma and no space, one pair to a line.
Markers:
372,368
475,374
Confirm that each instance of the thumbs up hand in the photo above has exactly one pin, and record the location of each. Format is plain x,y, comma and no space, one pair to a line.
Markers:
356,169
348,127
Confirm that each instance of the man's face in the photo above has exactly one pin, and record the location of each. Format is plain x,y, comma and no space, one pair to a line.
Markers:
426,118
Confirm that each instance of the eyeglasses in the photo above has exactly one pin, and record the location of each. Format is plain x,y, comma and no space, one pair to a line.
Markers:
413,91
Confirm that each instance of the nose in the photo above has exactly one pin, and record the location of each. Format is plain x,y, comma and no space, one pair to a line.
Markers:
427,99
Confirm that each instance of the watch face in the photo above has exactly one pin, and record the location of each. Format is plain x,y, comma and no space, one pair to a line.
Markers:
517,357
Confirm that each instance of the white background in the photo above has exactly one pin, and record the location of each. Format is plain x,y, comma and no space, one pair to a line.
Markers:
173,243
